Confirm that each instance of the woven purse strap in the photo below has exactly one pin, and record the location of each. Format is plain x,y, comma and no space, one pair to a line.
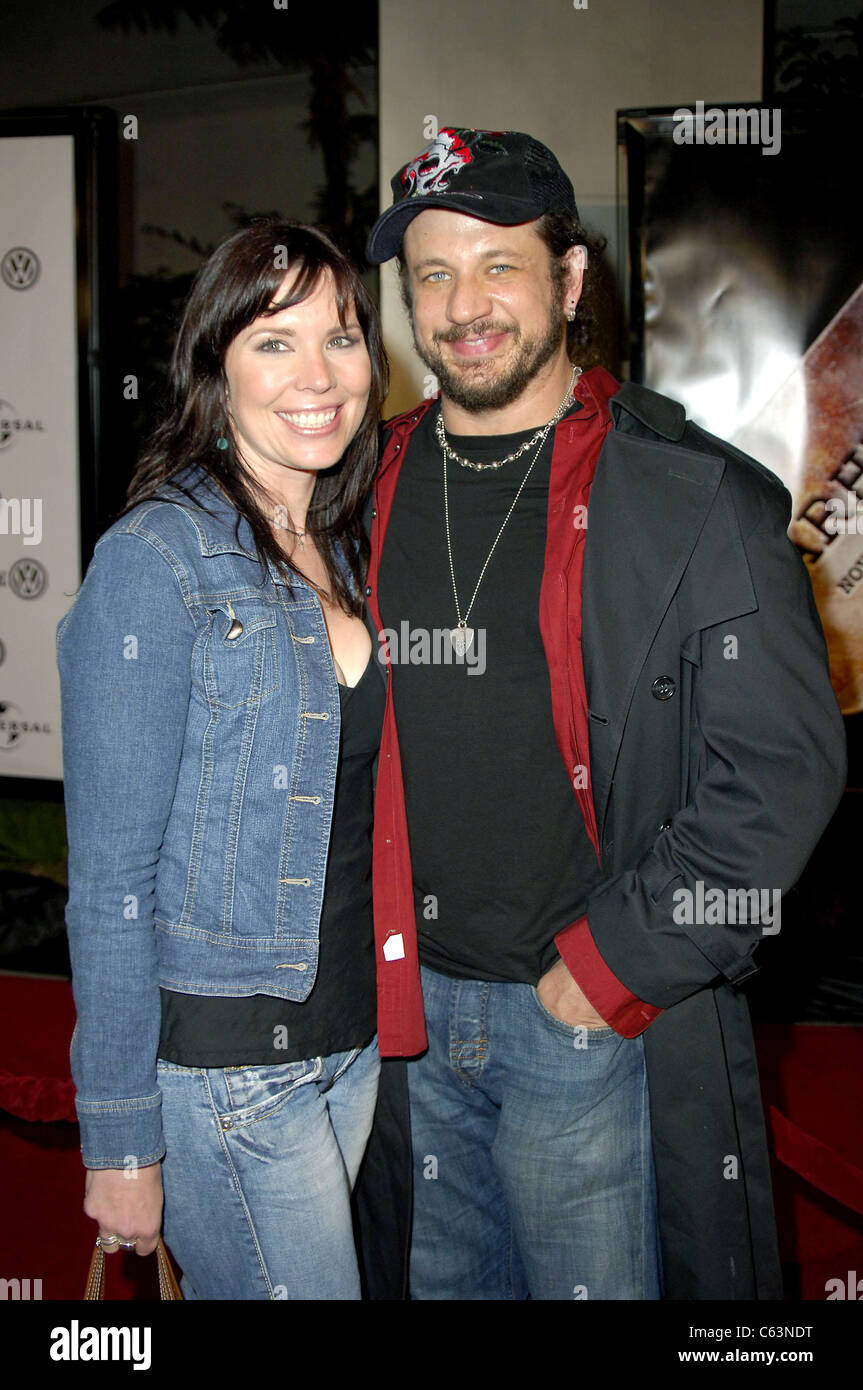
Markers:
168,1286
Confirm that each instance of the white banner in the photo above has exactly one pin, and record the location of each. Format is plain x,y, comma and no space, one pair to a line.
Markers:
40,559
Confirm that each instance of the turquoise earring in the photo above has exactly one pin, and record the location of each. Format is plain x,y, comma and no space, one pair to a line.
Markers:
221,442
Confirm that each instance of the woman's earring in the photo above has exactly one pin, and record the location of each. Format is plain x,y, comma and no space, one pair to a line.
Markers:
221,442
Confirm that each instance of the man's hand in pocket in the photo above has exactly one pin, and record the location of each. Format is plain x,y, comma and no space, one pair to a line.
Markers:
562,997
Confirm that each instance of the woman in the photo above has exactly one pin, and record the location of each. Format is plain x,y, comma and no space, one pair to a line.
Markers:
221,711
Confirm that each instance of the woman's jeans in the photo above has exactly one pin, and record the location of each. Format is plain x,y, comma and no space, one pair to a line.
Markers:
532,1159
258,1173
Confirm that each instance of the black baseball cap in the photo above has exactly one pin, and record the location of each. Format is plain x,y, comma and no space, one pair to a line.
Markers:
497,175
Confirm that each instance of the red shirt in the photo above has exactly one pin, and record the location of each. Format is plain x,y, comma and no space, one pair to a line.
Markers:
577,445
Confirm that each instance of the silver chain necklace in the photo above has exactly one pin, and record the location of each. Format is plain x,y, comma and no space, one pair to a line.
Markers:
461,635
440,434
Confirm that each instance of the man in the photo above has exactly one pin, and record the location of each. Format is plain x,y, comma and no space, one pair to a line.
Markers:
581,839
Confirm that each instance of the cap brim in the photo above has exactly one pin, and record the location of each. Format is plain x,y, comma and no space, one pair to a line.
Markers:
385,238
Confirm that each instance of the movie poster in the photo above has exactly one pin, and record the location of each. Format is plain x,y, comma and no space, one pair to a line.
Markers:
745,290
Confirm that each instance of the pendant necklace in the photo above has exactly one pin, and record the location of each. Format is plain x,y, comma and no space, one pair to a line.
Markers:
461,635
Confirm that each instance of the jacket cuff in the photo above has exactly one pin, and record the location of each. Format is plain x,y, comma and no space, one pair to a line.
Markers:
121,1133
622,1010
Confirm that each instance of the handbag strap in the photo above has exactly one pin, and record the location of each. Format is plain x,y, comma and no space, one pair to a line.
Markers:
168,1286
169,1289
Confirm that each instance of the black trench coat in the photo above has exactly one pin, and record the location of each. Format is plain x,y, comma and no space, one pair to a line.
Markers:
729,780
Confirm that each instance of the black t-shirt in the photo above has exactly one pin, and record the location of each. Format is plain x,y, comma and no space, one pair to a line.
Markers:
340,1013
501,857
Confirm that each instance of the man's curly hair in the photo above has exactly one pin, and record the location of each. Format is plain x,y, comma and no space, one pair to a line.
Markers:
559,231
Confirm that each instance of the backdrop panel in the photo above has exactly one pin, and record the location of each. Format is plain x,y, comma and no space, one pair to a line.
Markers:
40,551
51,413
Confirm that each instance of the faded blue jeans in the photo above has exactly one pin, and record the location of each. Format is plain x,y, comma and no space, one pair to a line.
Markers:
532,1160
258,1174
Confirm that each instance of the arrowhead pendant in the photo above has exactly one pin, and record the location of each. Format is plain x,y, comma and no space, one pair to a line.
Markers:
461,638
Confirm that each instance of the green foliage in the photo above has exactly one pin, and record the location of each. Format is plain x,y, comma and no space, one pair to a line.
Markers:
818,65
33,838
300,40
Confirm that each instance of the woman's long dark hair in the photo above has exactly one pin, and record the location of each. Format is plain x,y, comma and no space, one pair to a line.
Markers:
235,286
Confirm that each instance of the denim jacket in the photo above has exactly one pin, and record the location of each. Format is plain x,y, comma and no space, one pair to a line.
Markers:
200,743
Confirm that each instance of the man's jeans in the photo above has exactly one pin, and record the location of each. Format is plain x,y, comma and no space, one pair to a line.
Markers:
258,1174
533,1168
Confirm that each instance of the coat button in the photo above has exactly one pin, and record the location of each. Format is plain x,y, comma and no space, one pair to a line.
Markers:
368,590
663,688
666,825
374,512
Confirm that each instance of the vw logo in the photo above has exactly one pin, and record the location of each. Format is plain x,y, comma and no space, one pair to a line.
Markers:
28,579
20,268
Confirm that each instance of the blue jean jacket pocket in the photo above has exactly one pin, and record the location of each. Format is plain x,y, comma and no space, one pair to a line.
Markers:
240,656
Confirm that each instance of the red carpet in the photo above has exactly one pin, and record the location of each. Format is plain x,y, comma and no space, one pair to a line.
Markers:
812,1074
812,1080
45,1234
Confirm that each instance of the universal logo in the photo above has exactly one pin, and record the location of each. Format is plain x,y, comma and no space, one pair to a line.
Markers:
26,579
20,268
11,425
13,727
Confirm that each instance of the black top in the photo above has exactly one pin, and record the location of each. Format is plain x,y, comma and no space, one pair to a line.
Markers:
340,1013
501,857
